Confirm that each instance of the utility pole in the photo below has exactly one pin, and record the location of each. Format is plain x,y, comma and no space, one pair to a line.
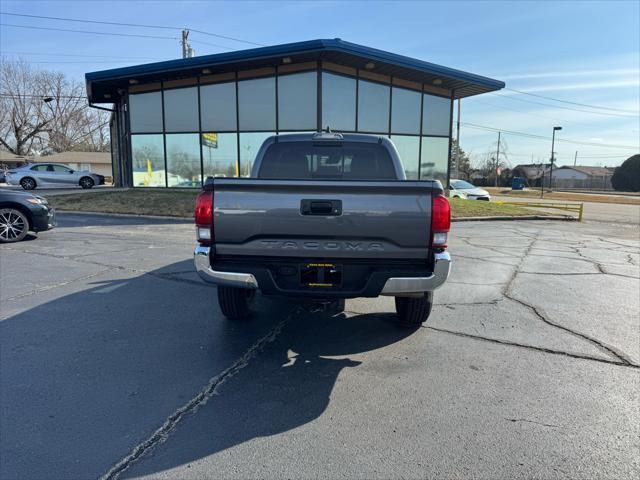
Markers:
187,51
457,170
575,158
553,141
497,160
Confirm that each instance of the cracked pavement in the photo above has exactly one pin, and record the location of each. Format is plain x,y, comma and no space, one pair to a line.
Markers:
115,362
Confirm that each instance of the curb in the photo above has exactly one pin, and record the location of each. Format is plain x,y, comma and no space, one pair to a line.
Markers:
565,218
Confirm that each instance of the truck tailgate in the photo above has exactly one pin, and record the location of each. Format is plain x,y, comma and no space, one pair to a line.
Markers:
322,218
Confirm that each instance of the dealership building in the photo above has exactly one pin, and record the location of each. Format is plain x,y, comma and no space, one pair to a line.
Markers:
176,122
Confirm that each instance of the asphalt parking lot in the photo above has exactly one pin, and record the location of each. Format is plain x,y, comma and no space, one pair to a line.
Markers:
115,361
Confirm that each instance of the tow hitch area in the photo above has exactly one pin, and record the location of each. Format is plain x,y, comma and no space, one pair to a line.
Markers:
320,305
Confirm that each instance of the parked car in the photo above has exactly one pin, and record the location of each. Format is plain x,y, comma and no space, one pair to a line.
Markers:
36,175
324,216
467,191
21,212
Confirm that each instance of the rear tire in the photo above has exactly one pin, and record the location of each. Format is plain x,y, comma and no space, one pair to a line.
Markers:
87,182
413,312
235,303
28,183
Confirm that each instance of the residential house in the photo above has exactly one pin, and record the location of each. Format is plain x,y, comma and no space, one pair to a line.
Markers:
96,162
596,178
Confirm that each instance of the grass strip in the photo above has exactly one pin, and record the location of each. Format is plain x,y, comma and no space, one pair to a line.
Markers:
566,196
177,203
169,203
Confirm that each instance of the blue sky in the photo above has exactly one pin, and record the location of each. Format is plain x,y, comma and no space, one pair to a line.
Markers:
584,52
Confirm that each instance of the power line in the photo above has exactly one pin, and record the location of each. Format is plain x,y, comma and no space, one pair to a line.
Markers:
165,27
90,32
227,38
81,62
11,52
561,107
31,95
541,137
482,100
603,156
210,44
93,32
597,107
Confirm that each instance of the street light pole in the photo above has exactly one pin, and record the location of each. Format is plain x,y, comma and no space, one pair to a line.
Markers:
497,165
553,140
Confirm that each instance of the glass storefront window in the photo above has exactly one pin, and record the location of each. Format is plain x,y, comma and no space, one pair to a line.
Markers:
219,154
436,115
297,101
257,104
405,111
183,160
435,158
338,102
409,150
181,110
218,107
145,112
373,107
148,161
250,144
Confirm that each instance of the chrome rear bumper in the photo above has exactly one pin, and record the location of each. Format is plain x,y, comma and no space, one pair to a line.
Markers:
396,286
228,279
412,285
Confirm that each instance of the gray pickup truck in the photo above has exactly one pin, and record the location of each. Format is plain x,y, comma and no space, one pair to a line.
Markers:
325,216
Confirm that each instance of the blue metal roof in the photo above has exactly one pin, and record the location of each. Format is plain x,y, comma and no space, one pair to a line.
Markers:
463,83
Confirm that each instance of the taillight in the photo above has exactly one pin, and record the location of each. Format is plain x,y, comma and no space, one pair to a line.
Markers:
204,217
440,221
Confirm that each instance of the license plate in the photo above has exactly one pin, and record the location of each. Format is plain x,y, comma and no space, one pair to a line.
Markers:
320,275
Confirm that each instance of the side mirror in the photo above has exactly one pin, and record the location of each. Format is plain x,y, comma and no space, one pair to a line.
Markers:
71,171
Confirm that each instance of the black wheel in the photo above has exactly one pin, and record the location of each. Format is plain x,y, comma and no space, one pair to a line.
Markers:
14,225
235,303
28,183
87,182
412,312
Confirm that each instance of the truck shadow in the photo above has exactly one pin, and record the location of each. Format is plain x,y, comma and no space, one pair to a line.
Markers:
86,377
287,387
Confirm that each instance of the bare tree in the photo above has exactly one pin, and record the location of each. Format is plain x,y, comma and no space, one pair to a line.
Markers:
464,163
22,116
73,125
487,165
46,112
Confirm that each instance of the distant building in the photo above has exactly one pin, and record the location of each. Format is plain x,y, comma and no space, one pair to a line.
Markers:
95,162
532,173
179,121
583,177
10,160
593,178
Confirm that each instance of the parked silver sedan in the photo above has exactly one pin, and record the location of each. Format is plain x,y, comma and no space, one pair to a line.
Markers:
467,191
51,175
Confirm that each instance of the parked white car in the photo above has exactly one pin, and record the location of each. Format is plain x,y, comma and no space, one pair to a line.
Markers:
51,175
467,191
